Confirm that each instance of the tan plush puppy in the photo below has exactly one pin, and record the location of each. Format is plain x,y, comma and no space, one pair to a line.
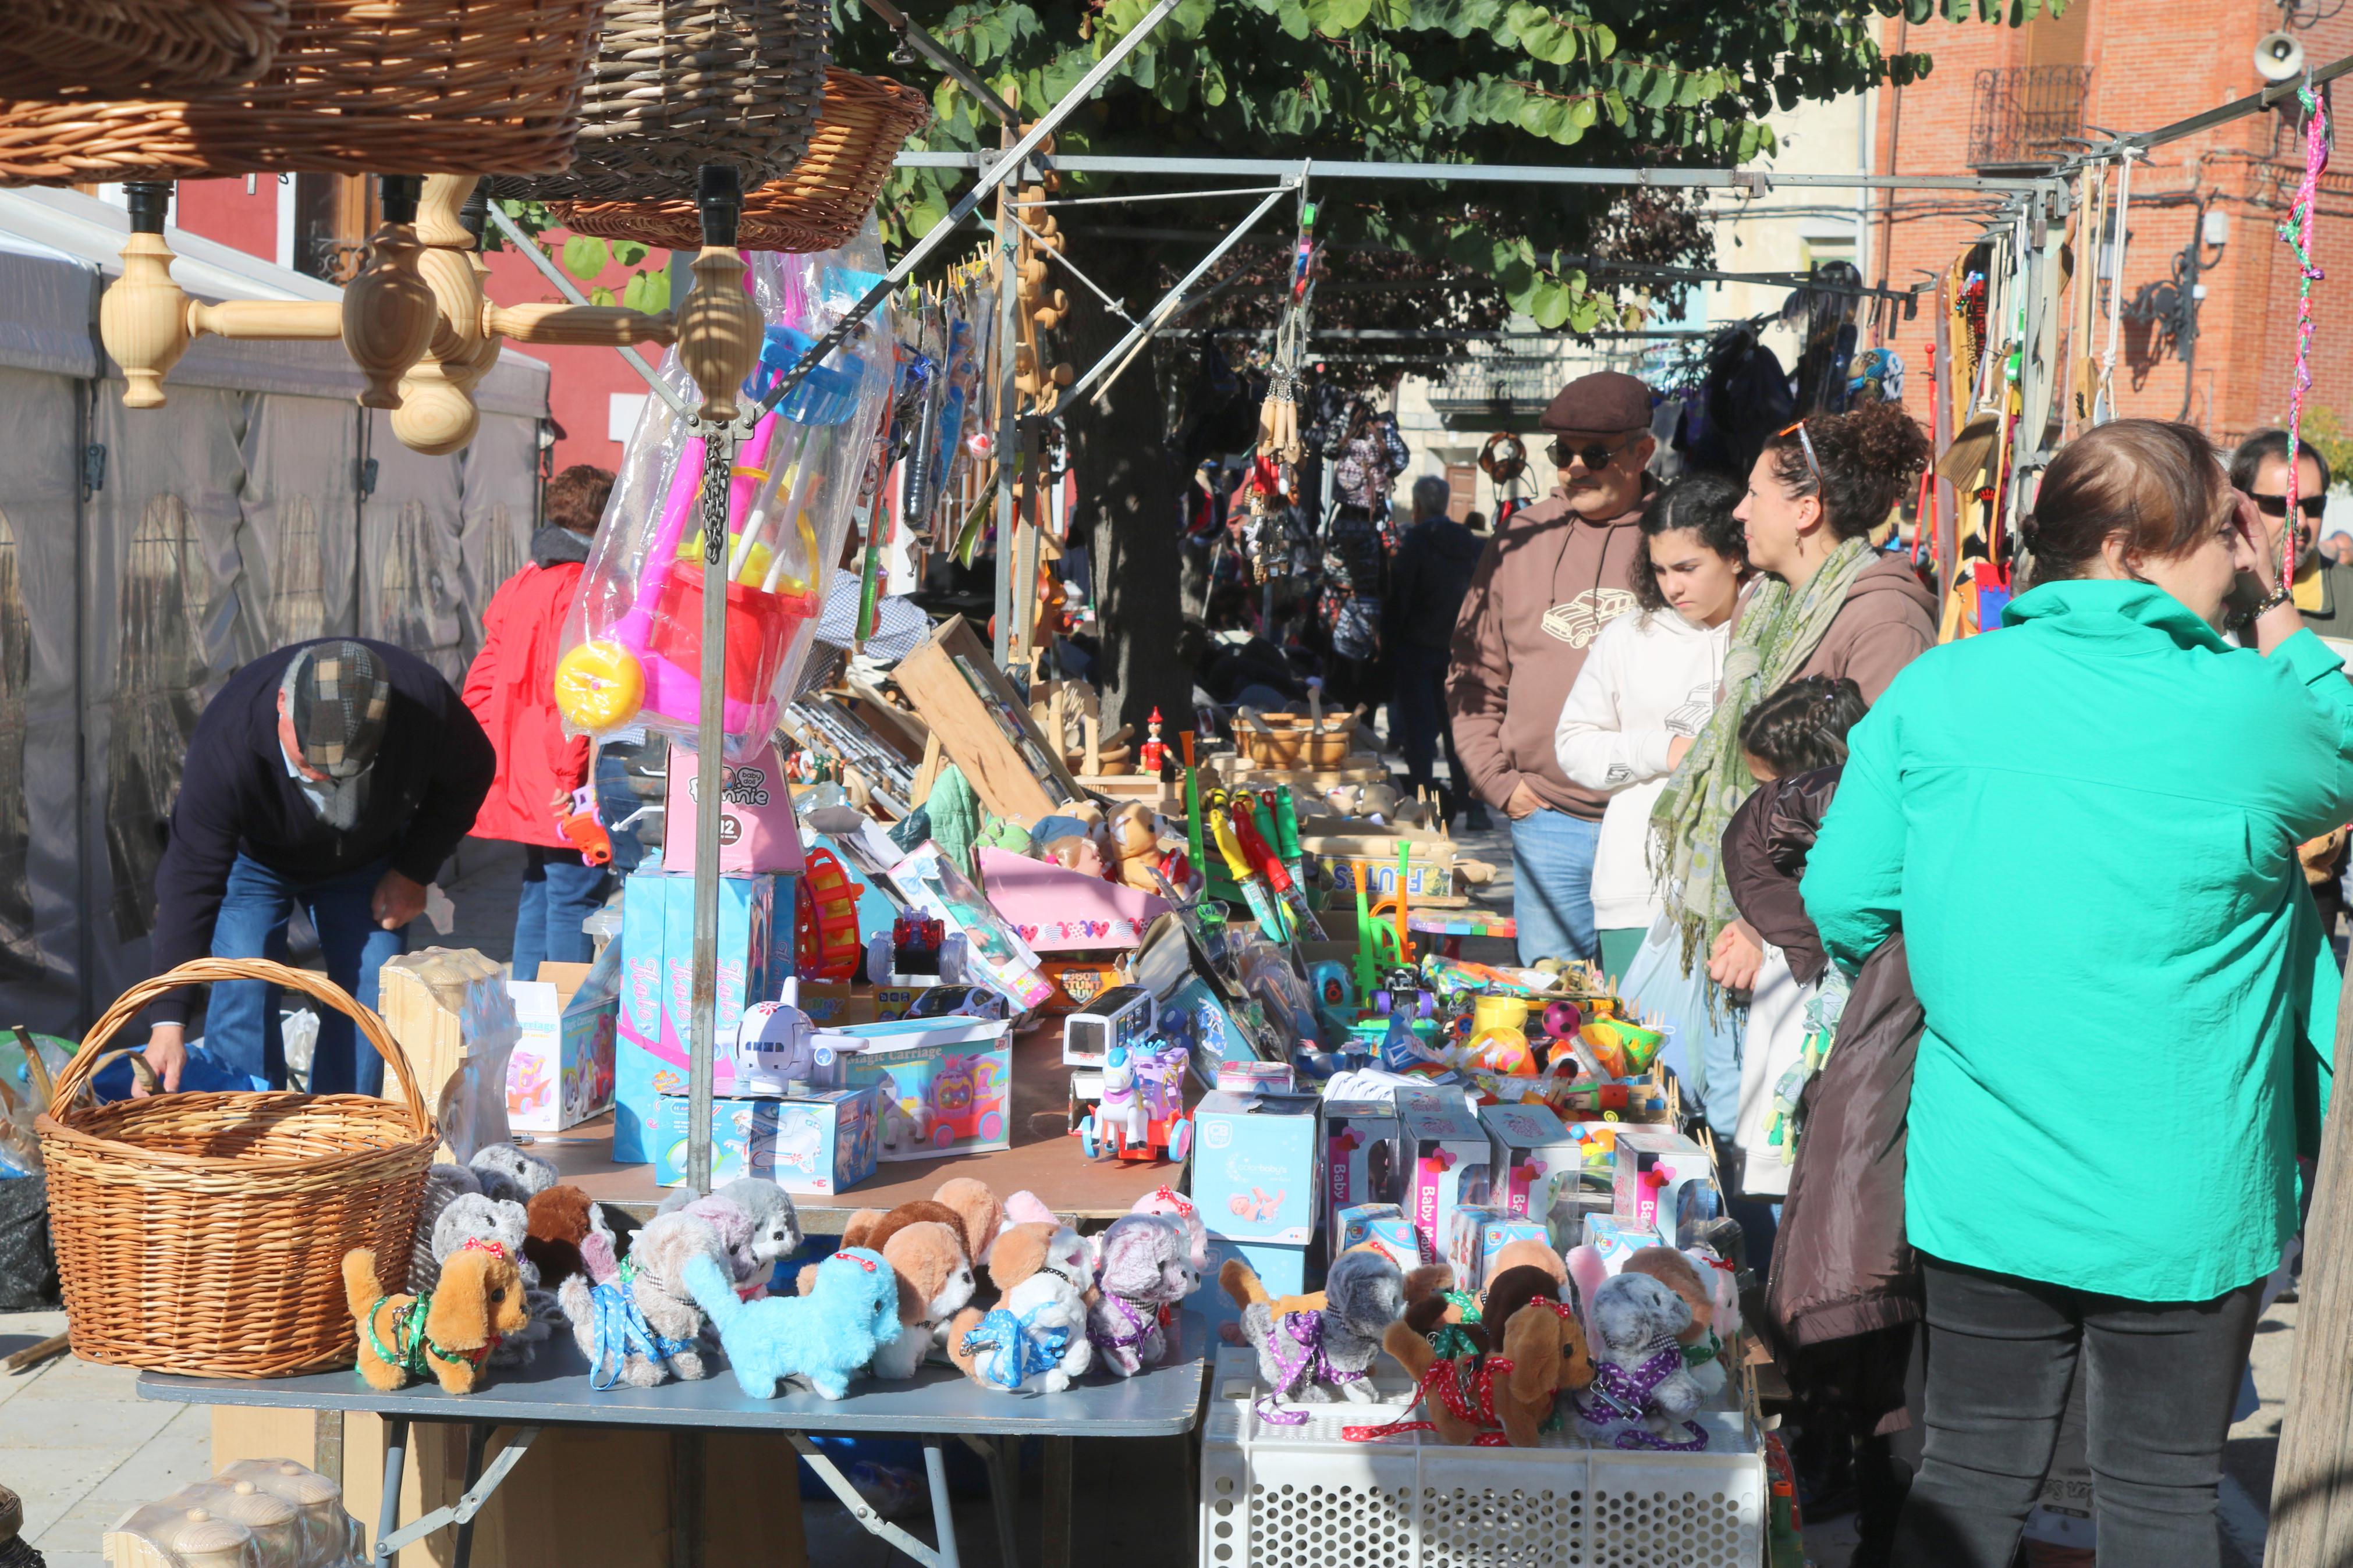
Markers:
1531,1255
980,1213
935,1283
477,1301
1546,1343
1019,1252
1413,1352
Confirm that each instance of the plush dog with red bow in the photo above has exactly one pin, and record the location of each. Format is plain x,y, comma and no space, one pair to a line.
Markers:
447,1331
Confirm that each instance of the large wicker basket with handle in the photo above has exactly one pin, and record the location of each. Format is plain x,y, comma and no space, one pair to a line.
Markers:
118,48
407,87
205,1234
818,206
681,83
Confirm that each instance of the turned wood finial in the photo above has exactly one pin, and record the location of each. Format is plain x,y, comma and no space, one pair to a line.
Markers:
437,415
388,310
142,318
719,329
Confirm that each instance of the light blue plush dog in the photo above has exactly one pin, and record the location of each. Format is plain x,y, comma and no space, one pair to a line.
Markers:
826,1336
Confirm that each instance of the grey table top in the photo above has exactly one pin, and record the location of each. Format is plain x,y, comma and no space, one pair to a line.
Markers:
553,1390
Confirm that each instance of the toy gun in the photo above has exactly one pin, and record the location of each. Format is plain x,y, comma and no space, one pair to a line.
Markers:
1290,901
1253,886
583,831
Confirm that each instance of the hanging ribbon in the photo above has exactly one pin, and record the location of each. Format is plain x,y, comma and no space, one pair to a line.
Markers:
2297,232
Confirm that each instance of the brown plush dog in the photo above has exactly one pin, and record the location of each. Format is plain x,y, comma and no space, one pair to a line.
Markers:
980,1213
1546,1343
556,1221
477,1303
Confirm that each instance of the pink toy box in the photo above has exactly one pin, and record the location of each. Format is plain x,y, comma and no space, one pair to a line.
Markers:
1364,1157
758,831
1653,1165
1535,1158
1449,1155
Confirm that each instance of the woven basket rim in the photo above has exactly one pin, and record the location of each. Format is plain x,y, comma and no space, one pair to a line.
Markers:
47,1126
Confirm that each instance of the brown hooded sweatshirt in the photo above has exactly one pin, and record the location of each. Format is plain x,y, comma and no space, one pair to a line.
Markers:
1887,620
1546,585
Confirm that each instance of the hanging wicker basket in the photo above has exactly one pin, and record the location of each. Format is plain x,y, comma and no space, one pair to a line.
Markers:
205,1234
681,83
818,206
115,49
409,87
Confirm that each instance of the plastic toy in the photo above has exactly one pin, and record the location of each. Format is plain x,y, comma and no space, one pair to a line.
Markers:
920,950
1152,756
581,827
825,921
777,1050
1123,1016
961,1001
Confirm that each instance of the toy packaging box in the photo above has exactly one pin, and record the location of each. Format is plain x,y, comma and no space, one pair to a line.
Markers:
1385,1227
1221,1039
944,1085
1254,1166
1617,1239
1449,1154
757,830
1533,1156
1477,1233
930,881
1281,1269
561,1073
1364,1157
1653,1165
820,1145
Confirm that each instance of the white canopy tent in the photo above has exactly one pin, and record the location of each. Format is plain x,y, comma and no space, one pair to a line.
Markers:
146,554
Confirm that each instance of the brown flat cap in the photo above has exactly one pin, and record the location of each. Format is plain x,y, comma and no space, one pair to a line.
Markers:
1605,400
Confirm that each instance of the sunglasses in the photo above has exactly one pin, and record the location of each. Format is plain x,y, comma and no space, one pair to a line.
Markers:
2313,507
1595,457
1813,463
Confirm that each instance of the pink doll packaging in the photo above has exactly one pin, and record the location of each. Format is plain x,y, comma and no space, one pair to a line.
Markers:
1448,1153
757,830
1535,1158
1364,1157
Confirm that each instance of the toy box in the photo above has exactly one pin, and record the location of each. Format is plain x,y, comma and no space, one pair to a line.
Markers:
1078,981
747,921
930,881
944,1085
1385,1226
758,831
1534,1157
1476,1234
561,1073
819,1144
1653,1165
1281,1269
1220,1038
1254,1166
1364,1157
1450,1156
1617,1239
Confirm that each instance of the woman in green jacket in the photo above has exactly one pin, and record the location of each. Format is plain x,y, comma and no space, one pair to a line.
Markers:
2084,825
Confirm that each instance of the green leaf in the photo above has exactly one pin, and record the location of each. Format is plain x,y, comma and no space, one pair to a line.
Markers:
600,296
1292,16
584,255
1583,114
1605,42
628,252
647,291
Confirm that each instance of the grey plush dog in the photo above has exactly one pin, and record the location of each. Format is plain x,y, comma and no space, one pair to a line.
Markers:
660,1255
1641,1389
1302,1356
775,1224
444,1184
475,1217
1143,1267
506,1172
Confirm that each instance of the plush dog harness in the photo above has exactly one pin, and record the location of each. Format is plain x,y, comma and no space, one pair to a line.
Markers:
1452,1340
1303,1361
1467,1389
621,1330
409,1346
1138,1325
1620,1392
1026,1351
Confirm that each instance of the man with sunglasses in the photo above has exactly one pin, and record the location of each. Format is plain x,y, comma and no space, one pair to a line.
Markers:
2323,589
1550,579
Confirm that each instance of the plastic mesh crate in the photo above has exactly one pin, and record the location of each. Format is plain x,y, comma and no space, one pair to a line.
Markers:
1305,1497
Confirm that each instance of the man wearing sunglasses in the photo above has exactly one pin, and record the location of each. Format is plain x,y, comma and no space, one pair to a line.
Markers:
2323,589
1549,581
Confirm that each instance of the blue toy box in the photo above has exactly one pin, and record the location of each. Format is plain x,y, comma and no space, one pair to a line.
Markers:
1254,1166
1281,1269
944,1085
818,1145
1385,1226
1478,1233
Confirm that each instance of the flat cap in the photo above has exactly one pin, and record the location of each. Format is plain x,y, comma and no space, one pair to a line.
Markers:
1605,400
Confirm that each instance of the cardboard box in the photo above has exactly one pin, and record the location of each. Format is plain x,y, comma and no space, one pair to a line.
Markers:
1281,1269
1254,1171
1220,1038
757,830
449,1011
820,1145
562,1071
1651,1167
640,1080
1385,1226
1364,1157
1617,1239
1077,981
1430,863
1476,1234
1534,1157
928,881
943,1086
1450,1156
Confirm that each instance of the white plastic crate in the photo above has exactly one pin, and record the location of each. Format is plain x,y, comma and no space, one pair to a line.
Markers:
1305,1497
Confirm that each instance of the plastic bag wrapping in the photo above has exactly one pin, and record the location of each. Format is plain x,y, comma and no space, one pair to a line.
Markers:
462,987
950,431
257,1513
633,642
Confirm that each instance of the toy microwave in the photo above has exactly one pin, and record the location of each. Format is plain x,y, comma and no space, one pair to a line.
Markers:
1123,1016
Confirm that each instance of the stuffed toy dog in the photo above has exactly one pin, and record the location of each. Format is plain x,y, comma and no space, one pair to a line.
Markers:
1146,1267
641,1325
444,1184
828,1336
775,1224
1640,1392
1036,1335
1169,1201
1302,1356
556,1222
1703,1348
447,1331
506,1172
935,1282
1543,1339
1428,1281
472,1217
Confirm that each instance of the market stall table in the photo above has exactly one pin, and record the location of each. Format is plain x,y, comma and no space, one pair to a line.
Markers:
553,1390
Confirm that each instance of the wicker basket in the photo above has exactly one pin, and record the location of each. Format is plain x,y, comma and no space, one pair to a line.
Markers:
113,48
681,83
205,1234
818,206
409,87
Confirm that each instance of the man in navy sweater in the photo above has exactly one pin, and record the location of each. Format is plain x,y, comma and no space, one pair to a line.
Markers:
336,774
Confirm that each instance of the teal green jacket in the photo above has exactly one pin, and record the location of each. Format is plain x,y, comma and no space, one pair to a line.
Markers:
2084,824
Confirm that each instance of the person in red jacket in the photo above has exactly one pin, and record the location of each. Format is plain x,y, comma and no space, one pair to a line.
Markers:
511,690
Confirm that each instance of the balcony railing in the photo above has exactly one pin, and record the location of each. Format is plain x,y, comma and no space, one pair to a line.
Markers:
2025,115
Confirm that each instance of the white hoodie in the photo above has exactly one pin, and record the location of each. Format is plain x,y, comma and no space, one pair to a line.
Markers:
1650,678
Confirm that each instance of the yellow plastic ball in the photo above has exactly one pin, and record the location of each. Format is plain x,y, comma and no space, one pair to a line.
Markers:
599,686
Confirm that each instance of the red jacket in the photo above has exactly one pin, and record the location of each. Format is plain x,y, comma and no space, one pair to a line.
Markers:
511,691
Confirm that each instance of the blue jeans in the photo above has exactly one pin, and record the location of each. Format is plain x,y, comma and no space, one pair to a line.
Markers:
1418,721
615,801
1552,885
241,1020
559,891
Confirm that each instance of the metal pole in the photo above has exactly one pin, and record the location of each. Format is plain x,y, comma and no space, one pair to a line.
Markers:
1008,324
1485,174
924,44
1127,346
709,785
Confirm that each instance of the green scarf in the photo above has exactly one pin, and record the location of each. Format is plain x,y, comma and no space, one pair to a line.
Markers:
1780,630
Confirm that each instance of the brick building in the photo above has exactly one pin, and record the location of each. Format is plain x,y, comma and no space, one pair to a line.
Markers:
2007,100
